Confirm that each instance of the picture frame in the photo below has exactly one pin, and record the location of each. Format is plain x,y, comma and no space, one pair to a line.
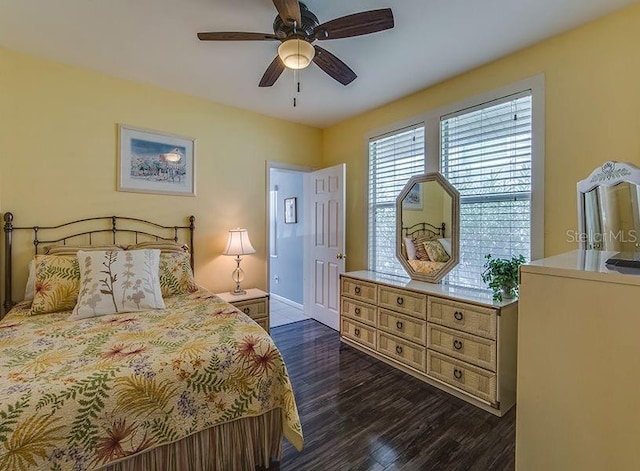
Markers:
413,200
155,162
290,210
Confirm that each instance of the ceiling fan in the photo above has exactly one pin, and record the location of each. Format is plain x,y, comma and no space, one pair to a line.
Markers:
297,28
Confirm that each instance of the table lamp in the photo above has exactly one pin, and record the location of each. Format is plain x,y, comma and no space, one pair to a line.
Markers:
238,244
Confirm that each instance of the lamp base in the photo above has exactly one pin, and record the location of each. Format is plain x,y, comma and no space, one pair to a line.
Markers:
238,276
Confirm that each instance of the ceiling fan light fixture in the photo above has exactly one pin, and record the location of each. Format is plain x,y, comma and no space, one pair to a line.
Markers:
296,53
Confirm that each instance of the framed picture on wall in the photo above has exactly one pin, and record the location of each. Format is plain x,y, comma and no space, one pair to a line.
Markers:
290,211
413,200
155,162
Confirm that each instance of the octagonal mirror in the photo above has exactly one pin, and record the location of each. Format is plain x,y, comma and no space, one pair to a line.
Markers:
427,227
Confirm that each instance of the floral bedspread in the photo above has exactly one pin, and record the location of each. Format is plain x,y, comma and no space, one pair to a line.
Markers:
426,267
82,394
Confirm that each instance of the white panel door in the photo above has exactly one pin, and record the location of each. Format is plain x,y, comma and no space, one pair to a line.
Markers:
324,198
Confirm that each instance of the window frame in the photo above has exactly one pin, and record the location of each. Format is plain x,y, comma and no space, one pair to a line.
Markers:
432,150
387,132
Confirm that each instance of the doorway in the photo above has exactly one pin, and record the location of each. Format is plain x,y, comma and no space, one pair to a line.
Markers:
286,244
306,240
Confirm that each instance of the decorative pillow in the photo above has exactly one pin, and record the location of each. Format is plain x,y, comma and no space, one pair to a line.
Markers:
31,281
118,281
436,251
410,248
162,245
56,284
176,276
446,244
421,253
74,249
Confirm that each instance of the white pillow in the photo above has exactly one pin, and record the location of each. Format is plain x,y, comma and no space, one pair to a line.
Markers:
410,248
118,281
446,245
31,282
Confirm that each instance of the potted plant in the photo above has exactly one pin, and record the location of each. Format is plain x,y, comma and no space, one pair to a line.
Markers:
502,276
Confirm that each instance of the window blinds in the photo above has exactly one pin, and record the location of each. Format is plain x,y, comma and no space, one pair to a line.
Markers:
486,155
393,159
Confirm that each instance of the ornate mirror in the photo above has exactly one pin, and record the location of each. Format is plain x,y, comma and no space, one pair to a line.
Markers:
427,227
609,208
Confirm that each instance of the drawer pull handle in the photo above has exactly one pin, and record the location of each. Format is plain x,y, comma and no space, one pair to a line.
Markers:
457,373
246,310
357,290
398,349
458,315
399,325
400,300
356,332
457,344
357,311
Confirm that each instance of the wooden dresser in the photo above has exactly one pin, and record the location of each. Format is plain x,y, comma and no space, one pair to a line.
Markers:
453,338
579,359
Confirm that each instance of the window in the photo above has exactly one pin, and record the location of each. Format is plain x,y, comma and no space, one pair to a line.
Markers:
393,159
486,154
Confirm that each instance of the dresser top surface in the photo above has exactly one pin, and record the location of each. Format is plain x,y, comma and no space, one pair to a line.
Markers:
446,291
583,264
252,293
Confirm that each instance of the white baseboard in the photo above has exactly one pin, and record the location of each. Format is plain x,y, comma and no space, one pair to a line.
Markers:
287,301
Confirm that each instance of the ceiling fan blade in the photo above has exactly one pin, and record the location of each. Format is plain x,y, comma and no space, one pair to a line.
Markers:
272,73
235,36
333,66
289,11
357,24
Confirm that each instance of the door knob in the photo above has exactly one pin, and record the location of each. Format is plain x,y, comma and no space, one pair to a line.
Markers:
341,256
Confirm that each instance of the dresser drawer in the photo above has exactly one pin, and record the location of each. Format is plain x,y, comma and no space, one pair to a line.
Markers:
406,302
469,378
401,350
358,332
402,326
361,290
361,312
255,308
473,349
469,318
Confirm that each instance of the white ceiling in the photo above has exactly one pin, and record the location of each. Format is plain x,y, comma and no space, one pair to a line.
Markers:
154,41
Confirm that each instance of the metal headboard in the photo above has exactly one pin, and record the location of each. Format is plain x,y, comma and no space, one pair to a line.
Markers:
424,228
104,225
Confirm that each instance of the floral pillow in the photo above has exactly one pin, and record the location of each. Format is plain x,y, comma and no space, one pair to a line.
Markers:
118,281
436,251
176,276
57,281
421,253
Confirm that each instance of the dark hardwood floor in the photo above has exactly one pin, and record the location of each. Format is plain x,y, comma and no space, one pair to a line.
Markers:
360,414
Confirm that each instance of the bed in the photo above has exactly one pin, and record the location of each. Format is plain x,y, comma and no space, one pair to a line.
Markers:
195,386
421,260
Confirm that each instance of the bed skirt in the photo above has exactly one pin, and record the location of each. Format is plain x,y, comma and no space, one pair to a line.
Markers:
243,444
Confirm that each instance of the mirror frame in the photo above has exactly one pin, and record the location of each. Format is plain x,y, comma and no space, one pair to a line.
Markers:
454,230
611,173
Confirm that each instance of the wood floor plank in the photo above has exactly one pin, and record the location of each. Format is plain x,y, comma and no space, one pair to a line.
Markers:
360,414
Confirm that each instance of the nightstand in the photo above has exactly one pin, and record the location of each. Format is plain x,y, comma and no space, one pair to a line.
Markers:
255,304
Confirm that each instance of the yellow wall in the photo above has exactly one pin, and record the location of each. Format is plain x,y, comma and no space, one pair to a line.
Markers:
58,128
592,96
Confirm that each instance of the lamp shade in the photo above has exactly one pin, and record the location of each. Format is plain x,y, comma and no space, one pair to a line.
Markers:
296,53
238,243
